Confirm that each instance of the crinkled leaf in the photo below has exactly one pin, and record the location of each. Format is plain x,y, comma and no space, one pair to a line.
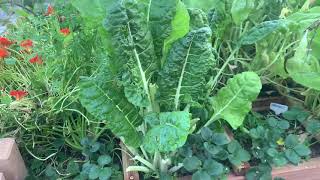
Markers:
170,134
198,19
169,21
182,78
234,101
191,163
152,119
261,31
131,48
107,104
241,9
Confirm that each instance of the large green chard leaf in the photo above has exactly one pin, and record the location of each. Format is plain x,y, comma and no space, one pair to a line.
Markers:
106,103
131,48
169,21
198,19
315,44
302,67
182,77
304,19
261,31
233,102
170,134
205,5
241,9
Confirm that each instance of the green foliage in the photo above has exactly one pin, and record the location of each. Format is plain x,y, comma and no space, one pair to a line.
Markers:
239,92
261,31
155,72
97,164
160,58
182,78
169,21
275,143
170,134
241,9
204,154
104,102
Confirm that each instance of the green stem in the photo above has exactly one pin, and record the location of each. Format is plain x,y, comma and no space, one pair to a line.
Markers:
215,80
145,162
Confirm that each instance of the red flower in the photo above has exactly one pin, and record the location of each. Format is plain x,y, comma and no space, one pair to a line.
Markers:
5,42
4,53
65,31
50,11
18,94
26,44
36,60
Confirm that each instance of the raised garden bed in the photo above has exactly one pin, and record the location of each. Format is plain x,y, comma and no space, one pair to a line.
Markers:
308,170
167,77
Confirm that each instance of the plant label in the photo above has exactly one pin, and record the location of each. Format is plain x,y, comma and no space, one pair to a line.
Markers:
278,108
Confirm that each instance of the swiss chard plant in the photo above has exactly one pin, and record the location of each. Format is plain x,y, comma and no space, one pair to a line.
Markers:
160,62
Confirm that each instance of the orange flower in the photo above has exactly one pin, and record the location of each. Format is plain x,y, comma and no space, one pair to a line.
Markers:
36,60
27,44
50,11
18,94
4,53
5,42
65,31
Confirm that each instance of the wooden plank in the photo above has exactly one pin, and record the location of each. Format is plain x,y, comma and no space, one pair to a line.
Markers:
309,170
11,163
2,176
126,162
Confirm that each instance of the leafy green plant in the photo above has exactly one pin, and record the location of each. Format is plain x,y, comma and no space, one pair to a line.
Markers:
98,163
158,70
276,141
49,121
205,154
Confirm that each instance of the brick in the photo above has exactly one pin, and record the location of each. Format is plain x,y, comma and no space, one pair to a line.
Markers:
11,163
